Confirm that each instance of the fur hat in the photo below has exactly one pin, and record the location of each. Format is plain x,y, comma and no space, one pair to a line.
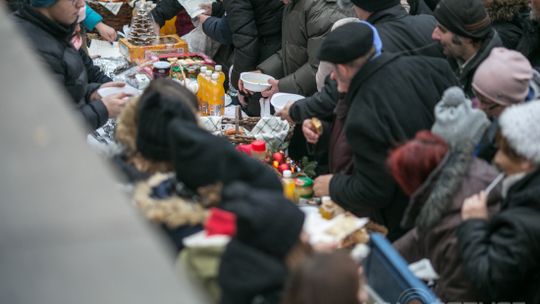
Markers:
503,77
455,119
520,126
467,18
265,219
162,101
201,159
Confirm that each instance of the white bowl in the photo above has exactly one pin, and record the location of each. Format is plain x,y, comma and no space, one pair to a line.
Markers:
280,100
114,90
255,82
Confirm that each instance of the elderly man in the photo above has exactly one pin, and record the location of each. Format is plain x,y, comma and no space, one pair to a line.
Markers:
388,99
466,36
49,26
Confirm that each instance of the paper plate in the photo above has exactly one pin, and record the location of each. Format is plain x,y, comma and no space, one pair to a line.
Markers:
114,90
280,100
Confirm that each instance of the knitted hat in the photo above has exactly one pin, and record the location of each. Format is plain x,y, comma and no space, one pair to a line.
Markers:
347,43
265,219
503,77
375,5
466,18
42,3
455,119
520,125
162,101
201,159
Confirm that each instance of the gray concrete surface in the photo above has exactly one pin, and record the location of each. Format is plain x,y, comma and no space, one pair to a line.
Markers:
67,233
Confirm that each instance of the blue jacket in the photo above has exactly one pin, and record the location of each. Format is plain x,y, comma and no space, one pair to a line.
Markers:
92,18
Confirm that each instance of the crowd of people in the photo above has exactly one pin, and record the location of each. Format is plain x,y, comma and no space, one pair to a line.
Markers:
430,127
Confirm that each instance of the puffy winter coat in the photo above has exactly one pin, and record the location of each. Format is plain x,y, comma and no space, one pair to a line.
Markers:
304,26
52,43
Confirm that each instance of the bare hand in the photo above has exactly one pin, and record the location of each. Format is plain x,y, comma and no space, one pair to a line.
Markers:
321,185
272,90
106,32
475,207
310,132
202,18
156,28
115,103
207,7
285,112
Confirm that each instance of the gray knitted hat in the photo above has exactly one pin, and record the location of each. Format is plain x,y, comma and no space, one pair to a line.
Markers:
520,125
455,119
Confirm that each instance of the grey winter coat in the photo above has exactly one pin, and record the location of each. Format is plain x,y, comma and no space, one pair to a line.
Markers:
304,26
435,213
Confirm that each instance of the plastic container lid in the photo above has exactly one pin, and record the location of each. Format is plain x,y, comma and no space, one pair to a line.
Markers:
287,173
215,76
303,181
258,146
161,65
218,68
325,199
203,69
208,73
244,148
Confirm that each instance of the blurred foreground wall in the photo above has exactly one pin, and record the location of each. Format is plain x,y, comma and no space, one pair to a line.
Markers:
67,234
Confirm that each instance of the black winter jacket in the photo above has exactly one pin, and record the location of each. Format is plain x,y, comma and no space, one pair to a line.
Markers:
256,32
52,42
390,99
501,255
399,32
403,33
165,10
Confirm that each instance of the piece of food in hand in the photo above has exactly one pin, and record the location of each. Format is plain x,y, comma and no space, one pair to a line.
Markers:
343,226
317,124
371,226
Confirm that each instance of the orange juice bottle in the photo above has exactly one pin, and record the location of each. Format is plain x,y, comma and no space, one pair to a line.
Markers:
200,93
219,69
217,97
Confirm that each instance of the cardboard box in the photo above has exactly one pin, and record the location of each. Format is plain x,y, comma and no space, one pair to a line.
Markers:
135,53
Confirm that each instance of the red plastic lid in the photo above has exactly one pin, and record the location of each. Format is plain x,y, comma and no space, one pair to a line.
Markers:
258,146
244,148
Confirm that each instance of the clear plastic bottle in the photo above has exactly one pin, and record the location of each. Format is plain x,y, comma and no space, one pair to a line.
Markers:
288,185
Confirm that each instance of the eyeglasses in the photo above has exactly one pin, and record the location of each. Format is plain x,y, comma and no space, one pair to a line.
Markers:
487,104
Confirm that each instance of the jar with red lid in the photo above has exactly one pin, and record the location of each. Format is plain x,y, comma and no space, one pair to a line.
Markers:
258,149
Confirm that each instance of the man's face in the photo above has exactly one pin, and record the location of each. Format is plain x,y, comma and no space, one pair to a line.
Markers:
65,11
341,74
535,9
447,41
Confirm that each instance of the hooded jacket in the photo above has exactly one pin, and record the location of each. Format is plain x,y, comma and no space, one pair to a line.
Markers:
52,42
435,213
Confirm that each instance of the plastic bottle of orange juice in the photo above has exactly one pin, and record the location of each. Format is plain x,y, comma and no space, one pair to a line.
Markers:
217,96
200,93
219,70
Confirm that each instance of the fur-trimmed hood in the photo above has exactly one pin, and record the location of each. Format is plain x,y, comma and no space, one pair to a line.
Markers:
438,195
506,10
